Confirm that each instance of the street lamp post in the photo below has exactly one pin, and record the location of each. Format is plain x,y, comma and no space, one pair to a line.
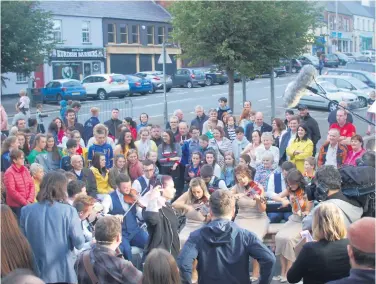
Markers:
165,113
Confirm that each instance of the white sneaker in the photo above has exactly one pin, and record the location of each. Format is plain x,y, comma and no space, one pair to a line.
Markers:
277,278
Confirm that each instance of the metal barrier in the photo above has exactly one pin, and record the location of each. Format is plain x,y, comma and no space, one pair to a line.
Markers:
125,107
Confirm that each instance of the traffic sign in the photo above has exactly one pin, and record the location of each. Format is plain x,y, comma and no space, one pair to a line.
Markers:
168,59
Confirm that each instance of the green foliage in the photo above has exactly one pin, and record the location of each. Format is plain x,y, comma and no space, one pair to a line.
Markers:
26,36
247,36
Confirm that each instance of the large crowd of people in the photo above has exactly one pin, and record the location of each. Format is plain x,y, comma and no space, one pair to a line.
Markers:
124,202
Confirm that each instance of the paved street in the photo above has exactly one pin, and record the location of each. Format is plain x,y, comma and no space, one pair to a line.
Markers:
258,91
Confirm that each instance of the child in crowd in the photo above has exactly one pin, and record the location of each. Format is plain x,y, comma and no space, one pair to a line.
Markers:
192,170
228,170
101,146
252,116
91,123
210,159
24,103
134,165
309,169
65,162
223,108
230,127
371,115
153,156
63,109
40,115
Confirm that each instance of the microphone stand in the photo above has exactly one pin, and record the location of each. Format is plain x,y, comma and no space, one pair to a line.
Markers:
316,92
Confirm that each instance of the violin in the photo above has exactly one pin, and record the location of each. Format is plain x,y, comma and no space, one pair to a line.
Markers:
252,189
131,197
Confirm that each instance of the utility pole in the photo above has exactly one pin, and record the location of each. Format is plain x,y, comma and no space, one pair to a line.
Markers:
165,113
244,89
337,45
272,99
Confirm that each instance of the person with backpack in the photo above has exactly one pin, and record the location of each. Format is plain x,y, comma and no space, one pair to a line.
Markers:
328,189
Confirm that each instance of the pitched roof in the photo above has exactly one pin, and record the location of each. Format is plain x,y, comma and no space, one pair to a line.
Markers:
357,9
130,10
331,7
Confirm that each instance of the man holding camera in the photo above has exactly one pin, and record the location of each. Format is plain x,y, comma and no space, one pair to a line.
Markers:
328,189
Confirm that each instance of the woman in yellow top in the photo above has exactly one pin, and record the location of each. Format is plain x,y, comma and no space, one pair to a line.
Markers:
125,143
101,175
300,149
37,173
145,144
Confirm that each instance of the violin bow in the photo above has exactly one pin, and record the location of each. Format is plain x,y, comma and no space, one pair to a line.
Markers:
134,203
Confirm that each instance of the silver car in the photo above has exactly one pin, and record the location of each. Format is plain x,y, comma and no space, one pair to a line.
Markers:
156,78
350,84
328,96
357,56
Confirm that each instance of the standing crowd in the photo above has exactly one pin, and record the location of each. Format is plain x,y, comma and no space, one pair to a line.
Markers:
125,202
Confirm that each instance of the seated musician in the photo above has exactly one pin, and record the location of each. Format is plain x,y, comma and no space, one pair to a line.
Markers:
276,185
212,182
119,202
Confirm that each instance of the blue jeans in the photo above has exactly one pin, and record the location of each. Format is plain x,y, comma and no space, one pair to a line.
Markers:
139,240
278,217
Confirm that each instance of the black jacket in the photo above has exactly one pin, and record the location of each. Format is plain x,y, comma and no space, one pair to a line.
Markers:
112,125
163,230
199,121
313,128
249,129
88,178
321,262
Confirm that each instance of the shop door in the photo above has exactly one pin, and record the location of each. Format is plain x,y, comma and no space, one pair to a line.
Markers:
87,69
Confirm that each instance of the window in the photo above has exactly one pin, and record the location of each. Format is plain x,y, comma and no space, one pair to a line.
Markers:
111,33
21,77
85,32
150,30
344,84
364,25
161,31
369,25
360,77
56,31
347,25
123,34
135,34
358,24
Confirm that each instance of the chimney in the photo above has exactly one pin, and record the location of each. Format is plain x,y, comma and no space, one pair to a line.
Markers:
163,3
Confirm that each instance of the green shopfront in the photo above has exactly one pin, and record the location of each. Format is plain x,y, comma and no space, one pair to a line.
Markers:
365,42
76,63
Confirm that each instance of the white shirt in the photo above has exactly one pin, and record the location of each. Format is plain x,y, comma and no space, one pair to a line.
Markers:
217,171
331,156
65,140
137,186
221,184
108,206
260,152
270,192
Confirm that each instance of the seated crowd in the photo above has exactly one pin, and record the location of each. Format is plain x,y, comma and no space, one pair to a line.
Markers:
117,202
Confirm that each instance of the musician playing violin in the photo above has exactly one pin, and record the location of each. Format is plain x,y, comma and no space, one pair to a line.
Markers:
251,207
119,202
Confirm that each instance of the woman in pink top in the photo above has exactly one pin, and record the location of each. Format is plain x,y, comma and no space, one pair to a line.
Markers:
357,150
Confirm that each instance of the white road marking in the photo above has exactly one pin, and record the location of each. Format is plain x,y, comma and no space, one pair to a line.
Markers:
141,99
279,97
197,91
263,100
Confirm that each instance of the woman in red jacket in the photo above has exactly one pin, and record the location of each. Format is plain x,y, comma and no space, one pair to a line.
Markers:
18,183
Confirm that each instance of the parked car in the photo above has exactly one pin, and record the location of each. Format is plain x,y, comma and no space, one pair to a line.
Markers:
188,77
214,76
103,86
139,85
370,54
364,76
156,78
65,89
343,59
350,84
331,60
357,56
278,71
309,59
238,77
364,66
295,64
331,96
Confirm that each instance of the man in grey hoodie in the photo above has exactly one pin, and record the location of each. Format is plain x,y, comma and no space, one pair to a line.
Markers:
239,144
328,182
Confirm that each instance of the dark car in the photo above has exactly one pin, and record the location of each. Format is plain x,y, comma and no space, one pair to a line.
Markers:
331,60
343,59
188,77
364,76
278,71
307,59
214,76
295,64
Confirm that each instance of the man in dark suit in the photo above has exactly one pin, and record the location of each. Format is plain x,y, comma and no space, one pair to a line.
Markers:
259,124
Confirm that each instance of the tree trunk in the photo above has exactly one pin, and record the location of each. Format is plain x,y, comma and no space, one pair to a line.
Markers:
230,74
272,99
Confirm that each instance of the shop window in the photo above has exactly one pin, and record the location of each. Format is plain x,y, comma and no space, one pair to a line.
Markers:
85,32
57,31
135,34
123,34
364,25
161,35
150,30
21,78
111,33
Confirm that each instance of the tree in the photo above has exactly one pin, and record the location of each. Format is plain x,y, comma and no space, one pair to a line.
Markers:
26,36
247,36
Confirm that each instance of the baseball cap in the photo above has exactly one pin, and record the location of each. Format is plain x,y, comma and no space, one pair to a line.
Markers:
223,99
302,106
